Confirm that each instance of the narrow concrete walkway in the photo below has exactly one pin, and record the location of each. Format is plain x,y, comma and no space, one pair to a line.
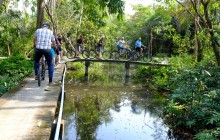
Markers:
27,111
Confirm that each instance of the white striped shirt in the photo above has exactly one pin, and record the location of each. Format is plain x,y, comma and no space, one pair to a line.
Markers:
43,38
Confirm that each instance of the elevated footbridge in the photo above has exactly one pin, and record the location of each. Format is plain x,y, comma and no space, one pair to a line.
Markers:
126,62
118,61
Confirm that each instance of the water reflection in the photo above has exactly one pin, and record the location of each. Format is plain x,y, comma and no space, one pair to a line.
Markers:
116,113
127,125
135,108
106,109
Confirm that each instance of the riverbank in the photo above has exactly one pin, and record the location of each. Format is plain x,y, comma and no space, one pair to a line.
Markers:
27,111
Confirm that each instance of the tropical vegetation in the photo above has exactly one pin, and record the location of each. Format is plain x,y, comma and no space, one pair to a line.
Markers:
184,32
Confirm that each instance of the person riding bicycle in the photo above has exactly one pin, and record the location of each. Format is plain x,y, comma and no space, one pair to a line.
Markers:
121,44
43,38
100,46
79,46
59,46
138,46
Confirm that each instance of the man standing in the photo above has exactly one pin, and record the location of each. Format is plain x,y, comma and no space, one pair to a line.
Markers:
43,38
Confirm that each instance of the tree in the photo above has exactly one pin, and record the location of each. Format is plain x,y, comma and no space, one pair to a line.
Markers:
84,17
1,1
205,11
40,13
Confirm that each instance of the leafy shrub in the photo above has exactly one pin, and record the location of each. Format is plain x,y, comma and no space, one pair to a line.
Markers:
194,97
13,70
197,89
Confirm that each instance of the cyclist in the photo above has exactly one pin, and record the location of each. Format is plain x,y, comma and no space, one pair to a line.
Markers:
138,45
59,46
43,38
100,46
79,46
121,43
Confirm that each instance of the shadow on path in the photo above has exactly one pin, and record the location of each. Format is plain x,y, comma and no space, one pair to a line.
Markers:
27,111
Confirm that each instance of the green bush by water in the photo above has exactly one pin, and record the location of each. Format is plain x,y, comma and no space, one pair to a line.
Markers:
194,94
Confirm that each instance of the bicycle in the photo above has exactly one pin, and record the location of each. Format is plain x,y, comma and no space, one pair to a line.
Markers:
71,54
137,56
94,54
106,54
84,52
123,54
41,70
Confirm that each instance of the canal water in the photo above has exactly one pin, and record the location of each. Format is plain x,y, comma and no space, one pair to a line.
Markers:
107,106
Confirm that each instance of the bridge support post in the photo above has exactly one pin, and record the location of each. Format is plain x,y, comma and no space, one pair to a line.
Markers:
87,64
127,67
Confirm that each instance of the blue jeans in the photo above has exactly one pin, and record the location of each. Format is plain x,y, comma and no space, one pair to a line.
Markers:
100,49
48,56
120,47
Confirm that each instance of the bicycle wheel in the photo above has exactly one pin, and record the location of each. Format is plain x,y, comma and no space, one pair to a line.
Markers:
43,71
85,54
39,75
92,54
129,55
136,56
70,54
122,54
115,55
106,55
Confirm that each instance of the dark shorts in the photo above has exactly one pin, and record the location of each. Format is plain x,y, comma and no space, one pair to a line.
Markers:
120,47
138,49
59,48
99,48
79,48
57,51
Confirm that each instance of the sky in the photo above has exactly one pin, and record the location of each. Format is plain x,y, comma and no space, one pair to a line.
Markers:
128,3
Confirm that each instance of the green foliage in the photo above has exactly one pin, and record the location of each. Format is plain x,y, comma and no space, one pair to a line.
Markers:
205,135
16,32
215,118
196,90
12,71
194,96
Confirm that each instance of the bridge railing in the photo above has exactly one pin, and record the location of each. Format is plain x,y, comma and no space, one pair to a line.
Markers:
58,132
118,61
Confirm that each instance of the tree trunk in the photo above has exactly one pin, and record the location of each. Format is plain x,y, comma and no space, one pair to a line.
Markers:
50,9
80,21
1,1
9,50
211,31
198,49
53,7
151,41
40,13
215,47
49,13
